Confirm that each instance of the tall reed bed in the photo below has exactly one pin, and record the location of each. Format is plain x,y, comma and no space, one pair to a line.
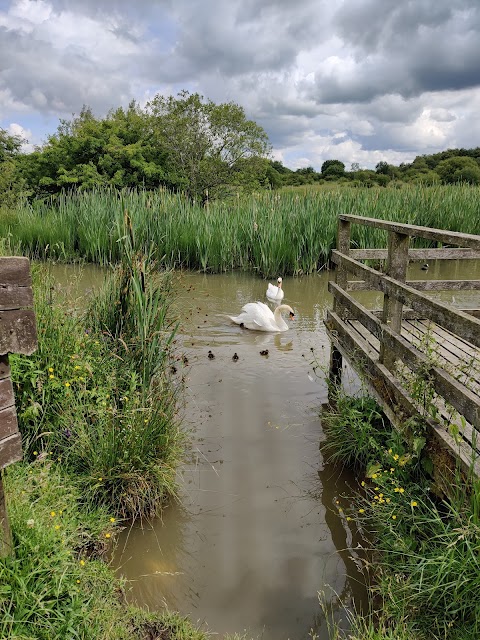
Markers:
268,233
97,394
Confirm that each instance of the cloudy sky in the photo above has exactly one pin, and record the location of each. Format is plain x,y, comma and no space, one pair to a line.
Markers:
356,80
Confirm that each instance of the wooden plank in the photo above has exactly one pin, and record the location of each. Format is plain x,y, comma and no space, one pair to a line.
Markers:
444,253
464,325
464,400
12,297
440,235
386,388
15,271
8,422
444,285
10,450
7,399
450,361
4,367
397,264
18,332
423,285
6,544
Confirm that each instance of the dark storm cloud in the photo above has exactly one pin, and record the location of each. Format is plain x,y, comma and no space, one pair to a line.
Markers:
404,48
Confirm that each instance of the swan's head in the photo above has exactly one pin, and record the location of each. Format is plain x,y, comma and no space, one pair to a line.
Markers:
279,282
285,307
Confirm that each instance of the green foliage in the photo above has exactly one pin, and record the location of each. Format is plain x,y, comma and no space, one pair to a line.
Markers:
333,169
57,585
427,562
459,169
288,232
100,402
11,183
210,147
356,431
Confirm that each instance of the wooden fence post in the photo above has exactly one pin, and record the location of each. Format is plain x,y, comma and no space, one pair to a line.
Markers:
18,334
397,264
341,279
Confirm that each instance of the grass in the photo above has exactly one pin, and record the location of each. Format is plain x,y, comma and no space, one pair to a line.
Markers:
57,585
426,569
271,233
97,394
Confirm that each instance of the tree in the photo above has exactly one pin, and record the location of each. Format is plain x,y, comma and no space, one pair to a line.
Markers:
333,169
459,169
11,183
210,147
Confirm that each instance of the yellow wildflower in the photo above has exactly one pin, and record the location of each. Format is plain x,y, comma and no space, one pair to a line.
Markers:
107,535
396,456
57,527
51,376
414,503
50,369
389,451
53,514
67,384
363,483
112,519
394,517
401,490
82,562
361,511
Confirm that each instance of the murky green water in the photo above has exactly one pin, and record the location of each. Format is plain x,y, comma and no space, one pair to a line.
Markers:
257,532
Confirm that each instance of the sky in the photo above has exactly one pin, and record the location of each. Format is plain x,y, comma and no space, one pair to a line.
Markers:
361,81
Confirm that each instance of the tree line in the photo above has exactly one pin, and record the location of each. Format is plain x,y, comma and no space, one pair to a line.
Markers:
188,144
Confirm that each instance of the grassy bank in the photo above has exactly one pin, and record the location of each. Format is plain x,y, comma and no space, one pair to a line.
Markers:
97,410
270,233
426,548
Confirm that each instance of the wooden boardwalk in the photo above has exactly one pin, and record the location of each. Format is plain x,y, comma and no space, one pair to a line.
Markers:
419,357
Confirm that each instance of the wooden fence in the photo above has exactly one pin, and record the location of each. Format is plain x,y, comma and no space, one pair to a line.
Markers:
416,342
18,334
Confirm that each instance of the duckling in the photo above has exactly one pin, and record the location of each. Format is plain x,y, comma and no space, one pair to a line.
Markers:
210,355
264,352
235,357
425,267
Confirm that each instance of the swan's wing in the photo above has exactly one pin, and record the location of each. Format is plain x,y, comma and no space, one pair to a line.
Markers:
272,290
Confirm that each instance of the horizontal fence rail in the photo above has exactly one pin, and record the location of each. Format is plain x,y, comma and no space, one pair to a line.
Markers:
380,345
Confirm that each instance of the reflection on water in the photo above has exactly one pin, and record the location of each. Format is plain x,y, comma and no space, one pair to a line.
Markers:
258,532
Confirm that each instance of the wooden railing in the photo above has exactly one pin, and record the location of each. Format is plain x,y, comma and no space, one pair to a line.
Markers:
376,341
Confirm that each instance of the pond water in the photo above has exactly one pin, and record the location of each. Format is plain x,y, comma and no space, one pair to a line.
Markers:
258,530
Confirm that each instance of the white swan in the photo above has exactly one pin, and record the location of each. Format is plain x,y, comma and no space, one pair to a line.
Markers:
259,317
275,293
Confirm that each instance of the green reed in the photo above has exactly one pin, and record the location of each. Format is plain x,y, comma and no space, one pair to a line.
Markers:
427,563
97,394
269,233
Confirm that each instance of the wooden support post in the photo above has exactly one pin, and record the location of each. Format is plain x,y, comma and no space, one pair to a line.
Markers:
6,544
18,334
397,263
341,279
